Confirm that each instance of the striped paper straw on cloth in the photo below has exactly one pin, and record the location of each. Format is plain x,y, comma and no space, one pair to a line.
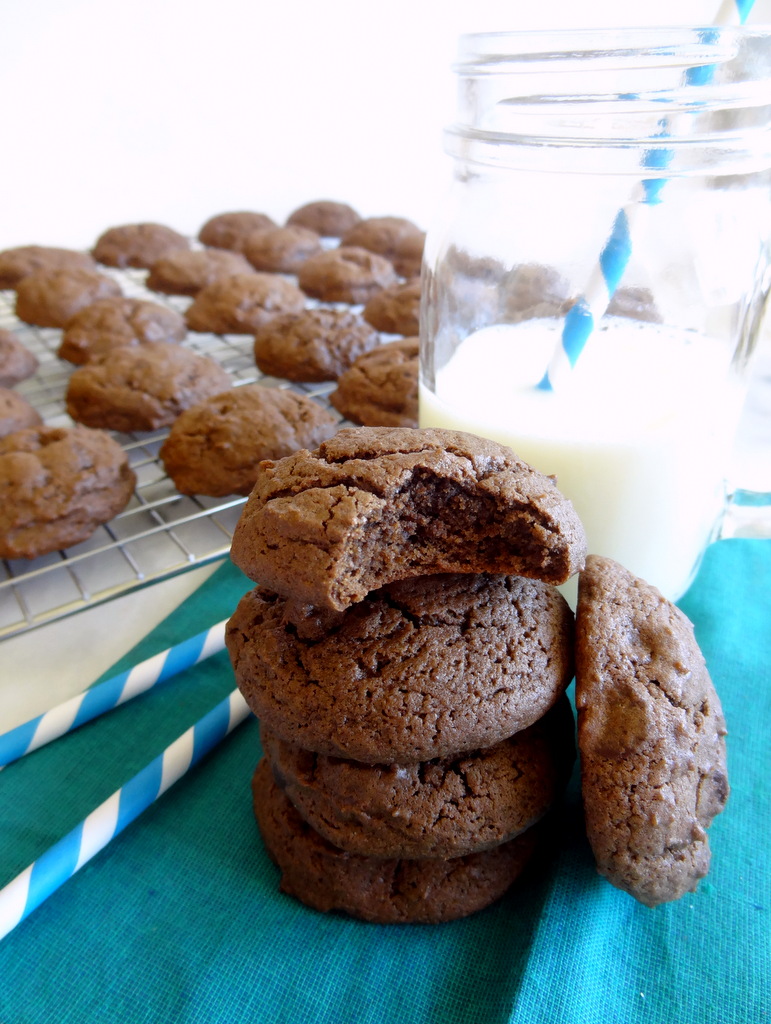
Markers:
110,694
59,863
582,317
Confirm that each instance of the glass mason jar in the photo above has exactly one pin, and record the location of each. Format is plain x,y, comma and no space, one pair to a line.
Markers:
594,284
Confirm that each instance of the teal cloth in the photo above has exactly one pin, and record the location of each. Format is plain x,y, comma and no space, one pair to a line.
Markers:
180,919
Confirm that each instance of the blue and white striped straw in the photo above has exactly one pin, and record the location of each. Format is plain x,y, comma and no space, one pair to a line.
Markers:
103,697
60,862
582,317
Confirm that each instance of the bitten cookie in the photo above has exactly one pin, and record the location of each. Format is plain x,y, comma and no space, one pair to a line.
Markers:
16,413
347,274
397,239
314,345
396,310
377,504
17,363
117,322
136,245
373,889
282,250
52,298
441,808
142,388
187,271
216,446
420,669
230,230
241,303
651,736
326,217
381,388
28,259
57,485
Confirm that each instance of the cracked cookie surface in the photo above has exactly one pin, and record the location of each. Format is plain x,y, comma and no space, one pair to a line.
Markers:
651,734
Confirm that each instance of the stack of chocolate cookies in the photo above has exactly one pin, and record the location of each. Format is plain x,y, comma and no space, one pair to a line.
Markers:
407,653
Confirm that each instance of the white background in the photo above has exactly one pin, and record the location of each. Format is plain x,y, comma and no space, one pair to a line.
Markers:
173,110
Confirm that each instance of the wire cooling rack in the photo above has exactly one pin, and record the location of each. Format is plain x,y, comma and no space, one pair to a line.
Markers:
161,532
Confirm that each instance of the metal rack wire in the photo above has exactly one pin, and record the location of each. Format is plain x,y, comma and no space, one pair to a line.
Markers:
161,532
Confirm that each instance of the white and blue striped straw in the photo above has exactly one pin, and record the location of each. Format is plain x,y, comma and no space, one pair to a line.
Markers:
60,862
582,317
103,697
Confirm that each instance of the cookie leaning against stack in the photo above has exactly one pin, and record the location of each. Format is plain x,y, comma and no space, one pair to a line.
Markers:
411,641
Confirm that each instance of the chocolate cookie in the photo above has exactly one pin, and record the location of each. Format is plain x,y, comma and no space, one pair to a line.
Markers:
381,388
216,446
57,485
397,239
377,504
314,345
346,274
17,363
118,322
241,303
425,668
651,736
16,413
440,808
137,245
27,259
326,217
373,889
51,298
396,310
187,271
142,388
230,230
282,250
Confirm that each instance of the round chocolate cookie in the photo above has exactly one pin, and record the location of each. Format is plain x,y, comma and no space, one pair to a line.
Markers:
373,889
282,250
397,239
51,298
117,322
216,446
314,345
425,668
28,259
326,217
231,230
136,245
142,388
651,735
346,274
187,271
16,413
57,485
377,504
396,310
241,303
17,363
381,388
440,808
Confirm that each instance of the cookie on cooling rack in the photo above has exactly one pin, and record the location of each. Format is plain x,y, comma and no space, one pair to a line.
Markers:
313,345
281,250
142,388
57,485
396,310
23,260
136,245
347,274
241,303
117,322
216,447
380,389
51,298
16,413
187,271
17,363
230,230
396,238
327,217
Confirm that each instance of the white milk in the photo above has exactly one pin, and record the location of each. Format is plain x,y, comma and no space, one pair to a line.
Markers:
638,437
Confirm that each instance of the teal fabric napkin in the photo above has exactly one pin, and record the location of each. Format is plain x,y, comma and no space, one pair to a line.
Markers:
180,919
